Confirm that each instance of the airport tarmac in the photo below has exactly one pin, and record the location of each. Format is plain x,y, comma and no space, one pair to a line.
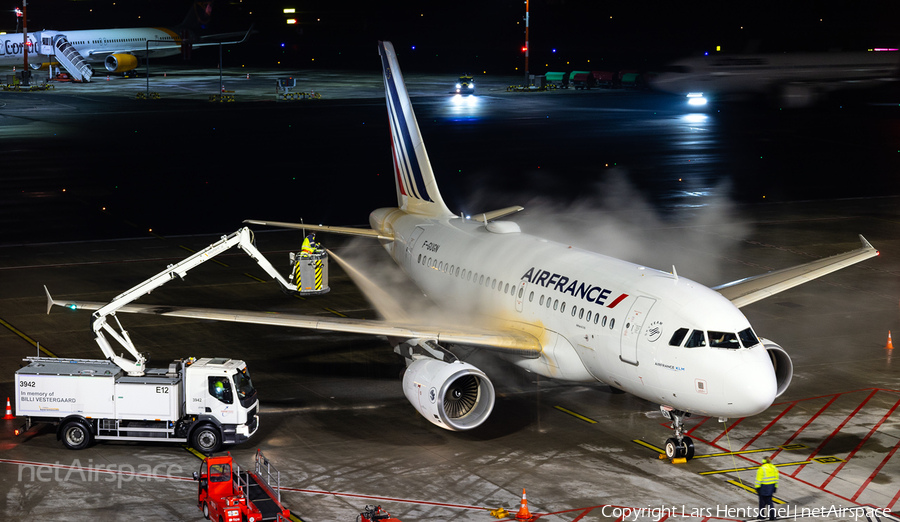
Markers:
333,417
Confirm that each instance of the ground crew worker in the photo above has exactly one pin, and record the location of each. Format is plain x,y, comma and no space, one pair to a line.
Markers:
766,485
309,245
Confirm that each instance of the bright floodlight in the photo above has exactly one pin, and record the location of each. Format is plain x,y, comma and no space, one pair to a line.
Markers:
696,98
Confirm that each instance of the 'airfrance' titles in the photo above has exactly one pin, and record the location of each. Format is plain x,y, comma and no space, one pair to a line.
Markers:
561,283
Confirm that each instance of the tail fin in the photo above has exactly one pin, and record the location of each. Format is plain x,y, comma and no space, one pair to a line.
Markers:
198,17
417,190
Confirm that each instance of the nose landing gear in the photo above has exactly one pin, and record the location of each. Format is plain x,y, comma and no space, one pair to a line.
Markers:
679,446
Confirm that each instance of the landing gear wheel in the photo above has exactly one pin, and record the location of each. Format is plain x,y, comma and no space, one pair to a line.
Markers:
688,446
672,448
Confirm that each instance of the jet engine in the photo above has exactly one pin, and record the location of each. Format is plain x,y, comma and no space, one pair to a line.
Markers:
455,396
120,62
781,361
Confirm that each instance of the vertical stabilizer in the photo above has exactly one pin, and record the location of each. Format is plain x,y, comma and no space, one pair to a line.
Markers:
417,190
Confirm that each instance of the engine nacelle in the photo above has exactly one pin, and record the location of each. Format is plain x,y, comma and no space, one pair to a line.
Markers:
781,362
120,62
455,396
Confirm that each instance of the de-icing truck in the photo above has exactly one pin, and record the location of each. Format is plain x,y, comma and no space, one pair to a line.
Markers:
206,402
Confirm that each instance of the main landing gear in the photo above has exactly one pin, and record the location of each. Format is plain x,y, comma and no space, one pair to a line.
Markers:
679,446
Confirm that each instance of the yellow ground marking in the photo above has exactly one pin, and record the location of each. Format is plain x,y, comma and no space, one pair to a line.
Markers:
788,448
34,343
300,297
251,276
195,452
751,490
648,445
750,468
576,415
194,252
335,312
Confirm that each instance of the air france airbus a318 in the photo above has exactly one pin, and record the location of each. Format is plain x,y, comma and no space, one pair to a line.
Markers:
551,309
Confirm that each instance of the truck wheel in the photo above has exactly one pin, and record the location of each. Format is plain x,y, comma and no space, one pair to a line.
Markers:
206,439
75,436
206,511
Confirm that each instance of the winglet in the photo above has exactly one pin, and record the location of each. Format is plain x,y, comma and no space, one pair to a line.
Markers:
866,244
50,302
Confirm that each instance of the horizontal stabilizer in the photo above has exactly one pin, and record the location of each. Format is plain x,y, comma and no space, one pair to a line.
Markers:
513,342
347,231
497,214
752,289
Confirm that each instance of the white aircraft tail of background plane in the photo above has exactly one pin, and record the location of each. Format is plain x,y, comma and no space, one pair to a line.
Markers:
546,307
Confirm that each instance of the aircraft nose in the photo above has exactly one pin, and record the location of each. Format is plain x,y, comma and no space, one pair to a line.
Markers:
751,388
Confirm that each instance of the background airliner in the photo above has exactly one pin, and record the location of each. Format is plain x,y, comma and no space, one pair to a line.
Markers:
546,307
793,79
119,50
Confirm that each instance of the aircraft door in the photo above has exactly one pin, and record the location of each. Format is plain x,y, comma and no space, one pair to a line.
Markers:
520,295
412,243
631,330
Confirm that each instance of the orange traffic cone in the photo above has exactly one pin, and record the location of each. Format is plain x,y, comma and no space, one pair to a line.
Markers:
523,513
890,345
9,415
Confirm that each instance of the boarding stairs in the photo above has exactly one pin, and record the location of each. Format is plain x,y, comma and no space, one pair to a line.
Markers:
71,59
54,45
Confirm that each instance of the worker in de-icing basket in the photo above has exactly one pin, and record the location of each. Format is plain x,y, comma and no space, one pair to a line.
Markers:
766,485
309,245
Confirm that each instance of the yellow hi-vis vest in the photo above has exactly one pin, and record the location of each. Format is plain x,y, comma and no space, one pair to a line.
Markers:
306,247
766,474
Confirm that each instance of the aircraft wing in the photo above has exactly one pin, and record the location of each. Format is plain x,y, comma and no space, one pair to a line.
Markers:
348,231
752,289
510,341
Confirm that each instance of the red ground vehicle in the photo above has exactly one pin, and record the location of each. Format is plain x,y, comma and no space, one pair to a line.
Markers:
228,494
375,513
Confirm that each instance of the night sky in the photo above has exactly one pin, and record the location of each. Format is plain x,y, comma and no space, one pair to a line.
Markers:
468,35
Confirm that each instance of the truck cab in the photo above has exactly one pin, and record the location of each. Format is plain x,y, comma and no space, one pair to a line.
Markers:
220,391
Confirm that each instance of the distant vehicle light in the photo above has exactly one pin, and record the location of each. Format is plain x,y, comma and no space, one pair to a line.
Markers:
697,101
695,95
458,86
291,21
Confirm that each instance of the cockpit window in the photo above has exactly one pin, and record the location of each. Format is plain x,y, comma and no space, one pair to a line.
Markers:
696,340
678,336
723,340
748,338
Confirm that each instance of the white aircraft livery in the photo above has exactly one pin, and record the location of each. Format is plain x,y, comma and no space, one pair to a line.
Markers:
795,79
546,307
117,49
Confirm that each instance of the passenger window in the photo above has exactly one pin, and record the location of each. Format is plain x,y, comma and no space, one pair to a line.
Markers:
678,336
220,388
556,304
457,271
441,266
695,340
748,338
429,261
581,314
723,340
604,321
420,258
481,282
574,310
487,282
451,269
521,291
469,277
531,297
596,318
612,323
506,290
562,307
588,317
541,301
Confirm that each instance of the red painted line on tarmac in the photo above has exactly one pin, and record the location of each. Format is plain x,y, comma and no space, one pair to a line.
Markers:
385,499
697,425
858,446
877,470
822,409
893,500
769,425
726,430
582,515
833,433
